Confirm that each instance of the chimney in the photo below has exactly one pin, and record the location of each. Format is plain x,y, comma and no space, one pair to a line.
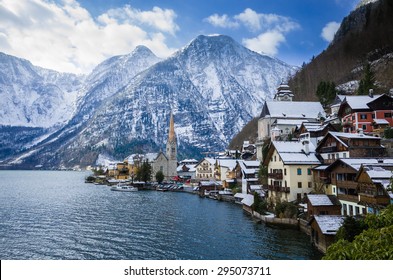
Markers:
371,92
306,145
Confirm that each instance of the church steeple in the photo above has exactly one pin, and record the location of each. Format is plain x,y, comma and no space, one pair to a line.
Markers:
171,145
172,135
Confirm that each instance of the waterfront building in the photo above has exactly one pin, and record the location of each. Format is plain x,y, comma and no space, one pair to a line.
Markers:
290,166
205,169
324,229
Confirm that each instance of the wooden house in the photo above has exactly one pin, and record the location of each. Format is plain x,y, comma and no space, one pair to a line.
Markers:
336,145
324,229
322,204
375,187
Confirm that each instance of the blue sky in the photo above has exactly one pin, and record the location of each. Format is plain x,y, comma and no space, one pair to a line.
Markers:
75,35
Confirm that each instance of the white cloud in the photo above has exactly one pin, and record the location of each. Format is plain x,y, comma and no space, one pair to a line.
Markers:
250,18
272,29
267,43
65,37
221,21
330,30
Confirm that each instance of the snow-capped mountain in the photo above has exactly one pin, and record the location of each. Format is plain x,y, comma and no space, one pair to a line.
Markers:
213,86
35,97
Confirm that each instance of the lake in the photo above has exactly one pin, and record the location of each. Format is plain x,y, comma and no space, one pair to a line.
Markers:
55,215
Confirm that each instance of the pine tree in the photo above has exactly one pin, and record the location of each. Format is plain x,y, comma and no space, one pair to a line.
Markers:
326,92
368,80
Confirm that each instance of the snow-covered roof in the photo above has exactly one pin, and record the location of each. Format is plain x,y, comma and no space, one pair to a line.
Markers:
151,156
295,122
240,195
255,187
321,167
230,163
329,224
295,109
380,121
320,200
293,152
356,163
191,167
251,163
248,200
378,172
358,102
340,136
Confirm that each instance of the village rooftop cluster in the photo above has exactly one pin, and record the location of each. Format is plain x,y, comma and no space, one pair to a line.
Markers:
330,163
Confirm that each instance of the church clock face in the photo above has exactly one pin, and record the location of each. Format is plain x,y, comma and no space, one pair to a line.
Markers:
286,98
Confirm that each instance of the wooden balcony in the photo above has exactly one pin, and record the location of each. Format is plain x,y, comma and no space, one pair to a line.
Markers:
348,197
374,199
277,176
278,189
346,184
331,149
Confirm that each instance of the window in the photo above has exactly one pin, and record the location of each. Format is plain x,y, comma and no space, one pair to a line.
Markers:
275,159
309,184
308,171
364,126
285,171
299,171
285,183
344,155
363,116
299,185
373,116
388,115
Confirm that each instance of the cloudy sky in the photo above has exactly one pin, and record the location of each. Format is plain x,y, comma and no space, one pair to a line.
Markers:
76,35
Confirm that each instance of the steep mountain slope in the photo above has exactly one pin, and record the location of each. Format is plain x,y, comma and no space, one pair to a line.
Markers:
104,81
35,97
364,36
213,86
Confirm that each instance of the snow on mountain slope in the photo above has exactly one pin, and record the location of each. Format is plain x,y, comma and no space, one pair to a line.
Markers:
213,86
35,97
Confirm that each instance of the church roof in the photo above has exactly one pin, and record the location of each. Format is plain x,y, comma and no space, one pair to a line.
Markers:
293,109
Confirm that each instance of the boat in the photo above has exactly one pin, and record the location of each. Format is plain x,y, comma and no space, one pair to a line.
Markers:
124,188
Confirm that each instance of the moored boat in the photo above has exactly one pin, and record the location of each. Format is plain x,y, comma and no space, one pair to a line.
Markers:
124,188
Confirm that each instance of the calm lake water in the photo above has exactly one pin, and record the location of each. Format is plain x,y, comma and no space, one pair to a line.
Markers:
55,215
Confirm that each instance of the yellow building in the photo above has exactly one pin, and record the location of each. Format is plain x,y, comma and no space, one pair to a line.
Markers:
290,166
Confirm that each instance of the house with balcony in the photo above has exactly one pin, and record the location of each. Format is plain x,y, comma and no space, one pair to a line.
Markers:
369,113
282,116
225,171
375,186
336,145
290,166
205,169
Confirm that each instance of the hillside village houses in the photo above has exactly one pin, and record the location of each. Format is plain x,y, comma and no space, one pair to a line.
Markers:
336,161
281,116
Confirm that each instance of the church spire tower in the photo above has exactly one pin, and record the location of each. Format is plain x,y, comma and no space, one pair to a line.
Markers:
171,146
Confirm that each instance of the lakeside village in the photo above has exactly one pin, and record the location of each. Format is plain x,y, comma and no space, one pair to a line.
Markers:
308,169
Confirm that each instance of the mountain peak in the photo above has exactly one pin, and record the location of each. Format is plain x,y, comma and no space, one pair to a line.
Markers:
142,50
